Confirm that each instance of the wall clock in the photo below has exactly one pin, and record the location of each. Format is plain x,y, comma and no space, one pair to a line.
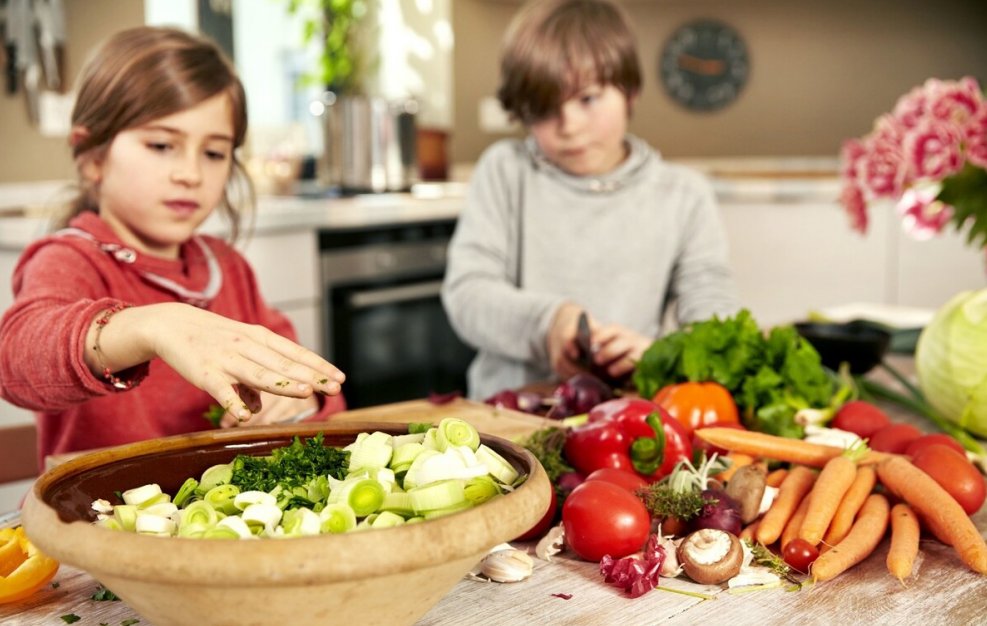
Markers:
704,65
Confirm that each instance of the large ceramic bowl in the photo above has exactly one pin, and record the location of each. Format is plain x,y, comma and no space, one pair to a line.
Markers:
379,576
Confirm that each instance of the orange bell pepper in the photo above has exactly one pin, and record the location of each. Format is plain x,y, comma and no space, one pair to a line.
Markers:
698,404
23,568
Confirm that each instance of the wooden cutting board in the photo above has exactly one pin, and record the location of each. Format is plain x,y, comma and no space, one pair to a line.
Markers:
504,423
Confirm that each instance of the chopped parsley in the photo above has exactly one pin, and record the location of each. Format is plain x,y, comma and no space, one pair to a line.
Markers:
130,622
290,466
547,446
214,414
71,618
103,594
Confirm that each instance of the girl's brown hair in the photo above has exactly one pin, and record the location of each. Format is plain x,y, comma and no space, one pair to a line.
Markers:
555,48
145,73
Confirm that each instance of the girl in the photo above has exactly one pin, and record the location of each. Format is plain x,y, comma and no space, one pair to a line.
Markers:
578,216
127,325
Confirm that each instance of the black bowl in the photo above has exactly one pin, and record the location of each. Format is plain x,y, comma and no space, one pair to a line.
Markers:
860,344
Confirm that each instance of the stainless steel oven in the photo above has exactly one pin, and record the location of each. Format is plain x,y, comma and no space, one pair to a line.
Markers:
383,321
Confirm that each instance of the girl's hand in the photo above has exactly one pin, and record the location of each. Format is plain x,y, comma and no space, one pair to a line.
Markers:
225,358
275,410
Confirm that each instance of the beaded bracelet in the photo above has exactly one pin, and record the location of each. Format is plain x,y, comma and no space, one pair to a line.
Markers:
101,323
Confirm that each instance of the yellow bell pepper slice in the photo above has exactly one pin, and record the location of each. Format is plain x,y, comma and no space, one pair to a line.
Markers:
23,568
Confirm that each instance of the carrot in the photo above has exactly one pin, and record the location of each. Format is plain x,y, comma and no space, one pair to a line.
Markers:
793,489
794,523
781,448
749,531
737,460
832,484
854,498
939,510
904,541
775,477
863,537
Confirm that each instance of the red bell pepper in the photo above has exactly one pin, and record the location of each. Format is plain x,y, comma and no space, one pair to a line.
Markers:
630,434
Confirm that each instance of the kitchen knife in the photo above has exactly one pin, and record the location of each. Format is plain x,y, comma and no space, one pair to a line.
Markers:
584,342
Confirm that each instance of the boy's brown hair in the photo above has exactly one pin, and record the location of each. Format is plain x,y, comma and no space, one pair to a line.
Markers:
555,48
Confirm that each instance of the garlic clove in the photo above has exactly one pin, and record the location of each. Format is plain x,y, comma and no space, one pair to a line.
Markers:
506,566
551,544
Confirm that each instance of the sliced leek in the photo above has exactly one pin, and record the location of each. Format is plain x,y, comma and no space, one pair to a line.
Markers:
391,480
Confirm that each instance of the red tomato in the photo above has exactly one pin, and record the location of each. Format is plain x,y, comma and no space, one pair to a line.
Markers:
698,404
631,481
601,518
799,554
934,438
546,522
860,418
894,438
954,473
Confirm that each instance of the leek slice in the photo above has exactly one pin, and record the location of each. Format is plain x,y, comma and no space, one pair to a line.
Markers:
398,502
185,492
262,517
126,516
462,506
365,496
234,524
148,524
199,512
139,495
497,465
245,499
405,454
411,476
370,451
337,518
222,532
110,523
301,522
214,476
161,509
453,431
438,495
194,530
399,440
386,519
480,489
221,498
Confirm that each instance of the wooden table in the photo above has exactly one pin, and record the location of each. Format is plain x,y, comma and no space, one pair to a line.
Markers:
571,592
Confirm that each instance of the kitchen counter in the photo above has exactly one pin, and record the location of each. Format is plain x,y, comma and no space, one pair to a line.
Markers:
24,207
570,591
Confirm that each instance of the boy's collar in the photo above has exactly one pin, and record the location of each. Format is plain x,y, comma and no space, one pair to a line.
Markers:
638,154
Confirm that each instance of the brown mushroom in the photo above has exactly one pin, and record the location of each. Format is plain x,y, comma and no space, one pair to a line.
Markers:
746,487
710,556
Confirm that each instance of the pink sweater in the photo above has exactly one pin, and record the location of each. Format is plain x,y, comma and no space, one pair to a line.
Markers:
60,283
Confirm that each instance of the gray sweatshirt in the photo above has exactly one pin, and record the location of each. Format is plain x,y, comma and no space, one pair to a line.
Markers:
624,246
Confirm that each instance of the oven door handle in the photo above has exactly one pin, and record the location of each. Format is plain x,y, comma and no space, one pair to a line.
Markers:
394,295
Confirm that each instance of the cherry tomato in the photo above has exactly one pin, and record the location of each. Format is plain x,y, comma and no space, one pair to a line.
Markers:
954,473
933,438
894,438
860,418
799,554
631,481
546,522
601,518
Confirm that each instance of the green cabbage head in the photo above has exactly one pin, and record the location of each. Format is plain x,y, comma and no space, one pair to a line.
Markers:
951,361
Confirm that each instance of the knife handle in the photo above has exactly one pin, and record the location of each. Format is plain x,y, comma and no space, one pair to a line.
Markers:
10,69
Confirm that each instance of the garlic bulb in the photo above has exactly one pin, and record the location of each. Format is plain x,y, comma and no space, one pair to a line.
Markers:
504,564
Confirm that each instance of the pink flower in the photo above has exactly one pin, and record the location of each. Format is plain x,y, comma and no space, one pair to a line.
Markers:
922,216
929,156
852,199
933,150
954,102
976,139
